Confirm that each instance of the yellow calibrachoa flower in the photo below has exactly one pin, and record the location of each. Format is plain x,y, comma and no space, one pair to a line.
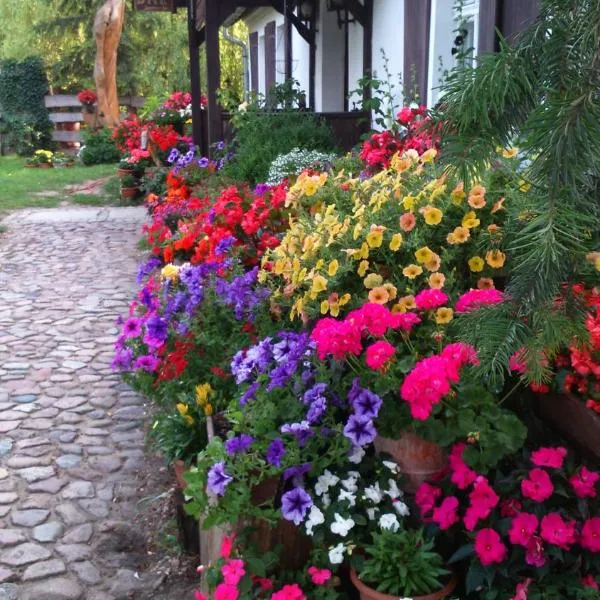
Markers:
310,187
170,271
524,186
391,290
319,284
458,194
208,409
396,242
476,264
495,258
429,155
459,236
433,216
375,236
437,280
443,315
364,251
477,197
424,254
324,307
406,303
470,220
412,271
379,295
510,152
334,265
499,205
434,263
356,232
408,202
363,267
182,409
372,281
202,392
597,264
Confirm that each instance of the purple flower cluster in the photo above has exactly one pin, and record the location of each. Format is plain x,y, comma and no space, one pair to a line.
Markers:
295,505
238,444
360,429
147,268
241,293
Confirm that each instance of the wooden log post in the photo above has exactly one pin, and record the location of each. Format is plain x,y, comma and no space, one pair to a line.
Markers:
108,27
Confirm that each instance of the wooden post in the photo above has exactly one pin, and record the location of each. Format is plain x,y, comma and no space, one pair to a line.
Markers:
368,46
195,76
312,65
287,30
213,70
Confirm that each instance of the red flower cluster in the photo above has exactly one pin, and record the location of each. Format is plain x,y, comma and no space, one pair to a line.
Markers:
178,101
165,137
128,134
87,97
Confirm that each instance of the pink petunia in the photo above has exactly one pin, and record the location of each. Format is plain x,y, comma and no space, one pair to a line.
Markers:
378,354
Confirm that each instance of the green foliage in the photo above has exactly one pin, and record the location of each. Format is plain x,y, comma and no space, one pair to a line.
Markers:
403,563
176,438
99,148
543,93
23,86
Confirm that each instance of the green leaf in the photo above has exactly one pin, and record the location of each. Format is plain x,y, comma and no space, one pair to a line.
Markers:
462,552
475,577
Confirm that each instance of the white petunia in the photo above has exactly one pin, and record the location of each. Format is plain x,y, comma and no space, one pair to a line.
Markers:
394,491
401,508
344,495
315,517
374,493
389,521
336,554
341,526
392,466
356,455
350,482
371,513
325,481
326,500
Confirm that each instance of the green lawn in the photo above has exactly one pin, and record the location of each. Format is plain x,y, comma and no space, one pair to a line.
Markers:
20,187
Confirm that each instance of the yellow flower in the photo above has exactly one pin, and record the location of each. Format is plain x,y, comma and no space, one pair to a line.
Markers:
458,194
443,315
450,239
319,284
170,271
476,264
412,271
379,295
524,186
375,237
373,280
470,220
324,307
208,409
510,152
597,264
408,302
364,251
396,242
408,202
391,290
437,280
495,258
334,265
459,236
434,263
476,201
310,187
202,392
182,409
424,254
433,216
363,267
429,155
357,229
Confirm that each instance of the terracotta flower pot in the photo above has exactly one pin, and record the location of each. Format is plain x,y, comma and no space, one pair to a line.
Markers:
569,415
418,459
123,172
367,593
180,469
129,192
46,165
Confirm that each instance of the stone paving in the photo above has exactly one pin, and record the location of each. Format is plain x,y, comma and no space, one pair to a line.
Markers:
71,433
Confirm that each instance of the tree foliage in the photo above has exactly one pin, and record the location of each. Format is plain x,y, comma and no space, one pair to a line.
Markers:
542,94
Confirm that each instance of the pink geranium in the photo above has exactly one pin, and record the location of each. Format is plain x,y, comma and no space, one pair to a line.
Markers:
446,514
558,532
289,592
372,317
489,547
549,457
336,338
404,321
584,483
461,354
590,535
319,576
537,486
233,571
430,299
474,299
523,527
378,354
225,591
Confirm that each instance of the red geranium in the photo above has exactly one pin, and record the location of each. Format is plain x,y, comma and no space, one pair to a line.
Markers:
87,97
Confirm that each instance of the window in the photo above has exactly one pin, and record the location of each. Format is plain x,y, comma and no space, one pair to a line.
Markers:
446,42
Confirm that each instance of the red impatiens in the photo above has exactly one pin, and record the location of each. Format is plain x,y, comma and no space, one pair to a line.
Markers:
489,547
537,486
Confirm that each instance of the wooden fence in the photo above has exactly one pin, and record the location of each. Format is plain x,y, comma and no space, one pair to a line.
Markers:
66,112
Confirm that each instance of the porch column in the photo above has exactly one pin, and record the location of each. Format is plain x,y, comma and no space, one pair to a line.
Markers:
213,70
194,45
368,45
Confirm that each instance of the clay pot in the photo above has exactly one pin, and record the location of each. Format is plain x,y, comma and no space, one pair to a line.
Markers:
46,165
123,172
367,593
180,469
130,192
569,415
418,459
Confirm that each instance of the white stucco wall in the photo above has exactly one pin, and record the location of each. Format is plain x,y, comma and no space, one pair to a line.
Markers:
329,81
355,61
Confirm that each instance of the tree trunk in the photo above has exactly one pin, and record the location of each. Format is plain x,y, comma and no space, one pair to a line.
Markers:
108,27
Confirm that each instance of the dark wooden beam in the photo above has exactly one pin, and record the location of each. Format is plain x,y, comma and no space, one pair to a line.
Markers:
194,45
417,17
301,28
213,70
287,33
489,19
368,45
358,11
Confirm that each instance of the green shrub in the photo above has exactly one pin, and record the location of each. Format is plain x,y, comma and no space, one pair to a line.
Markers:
261,136
24,117
99,148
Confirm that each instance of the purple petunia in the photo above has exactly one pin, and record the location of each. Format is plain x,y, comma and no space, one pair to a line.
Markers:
295,504
218,479
157,328
238,444
301,431
316,411
147,268
314,393
261,189
360,430
297,472
364,402
173,156
249,394
147,362
203,162
132,327
122,359
275,452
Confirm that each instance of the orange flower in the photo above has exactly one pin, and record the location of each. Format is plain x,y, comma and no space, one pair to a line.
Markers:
476,201
379,295
498,205
485,283
495,258
407,222
459,236
437,280
434,263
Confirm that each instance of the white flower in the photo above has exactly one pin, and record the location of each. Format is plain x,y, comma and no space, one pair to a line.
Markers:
356,455
315,517
389,521
374,493
326,500
394,491
371,513
401,508
344,495
392,466
350,482
243,107
325,481
341,526
336,554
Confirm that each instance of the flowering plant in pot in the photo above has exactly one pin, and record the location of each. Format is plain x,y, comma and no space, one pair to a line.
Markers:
42,159
401,563
129,186
532,524
134,163
87,98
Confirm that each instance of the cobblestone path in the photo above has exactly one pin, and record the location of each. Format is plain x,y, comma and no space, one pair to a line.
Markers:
71,433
